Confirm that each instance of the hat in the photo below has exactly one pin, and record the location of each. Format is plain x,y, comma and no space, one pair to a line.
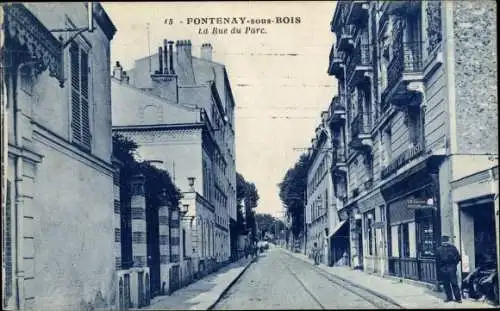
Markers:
445,239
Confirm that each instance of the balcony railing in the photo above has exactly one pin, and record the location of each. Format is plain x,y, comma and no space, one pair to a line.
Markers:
336,60
407,59
337,110
345,41
359,126
361,61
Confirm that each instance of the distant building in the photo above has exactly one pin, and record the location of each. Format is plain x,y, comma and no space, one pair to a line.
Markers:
417,80
57,222
179,109
321,211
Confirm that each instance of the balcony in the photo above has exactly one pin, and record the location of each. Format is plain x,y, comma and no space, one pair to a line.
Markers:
346,40
360,134
358,12
337,112
403,73
336,66
401,7
339,165
361,63
28,38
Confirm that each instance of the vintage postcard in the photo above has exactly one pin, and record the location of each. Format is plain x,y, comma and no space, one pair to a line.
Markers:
249,155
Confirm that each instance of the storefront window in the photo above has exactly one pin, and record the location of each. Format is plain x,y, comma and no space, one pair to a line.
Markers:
404,240
369,219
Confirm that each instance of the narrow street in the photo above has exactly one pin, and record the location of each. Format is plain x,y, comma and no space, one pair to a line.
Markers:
279,280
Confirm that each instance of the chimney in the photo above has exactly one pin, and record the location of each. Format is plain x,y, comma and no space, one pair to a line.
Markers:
118,71
206,51
184,62
164,80
160,61
165,57
171,56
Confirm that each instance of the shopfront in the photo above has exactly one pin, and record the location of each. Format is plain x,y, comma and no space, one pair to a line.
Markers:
339,244
413,226
476,217
372,209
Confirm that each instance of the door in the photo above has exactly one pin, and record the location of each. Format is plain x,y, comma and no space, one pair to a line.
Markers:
153,250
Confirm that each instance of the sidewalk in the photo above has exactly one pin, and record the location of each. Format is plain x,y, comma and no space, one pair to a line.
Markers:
406,295
204,293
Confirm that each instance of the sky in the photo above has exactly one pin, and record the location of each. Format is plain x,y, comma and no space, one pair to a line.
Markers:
279,79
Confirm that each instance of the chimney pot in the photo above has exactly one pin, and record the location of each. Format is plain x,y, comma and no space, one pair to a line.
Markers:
165,56
160,60
206,51
171,56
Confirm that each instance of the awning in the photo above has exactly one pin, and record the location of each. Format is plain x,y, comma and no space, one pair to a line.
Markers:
337,228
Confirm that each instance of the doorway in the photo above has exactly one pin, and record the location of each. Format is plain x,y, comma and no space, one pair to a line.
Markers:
153,249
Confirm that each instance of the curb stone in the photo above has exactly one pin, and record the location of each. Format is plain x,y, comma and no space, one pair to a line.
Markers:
212,305
382,296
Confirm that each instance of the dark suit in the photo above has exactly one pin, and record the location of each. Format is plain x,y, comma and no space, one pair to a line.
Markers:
447,257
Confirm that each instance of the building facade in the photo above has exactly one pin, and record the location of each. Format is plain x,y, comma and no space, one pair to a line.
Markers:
58,222
416,120
322,219
179,109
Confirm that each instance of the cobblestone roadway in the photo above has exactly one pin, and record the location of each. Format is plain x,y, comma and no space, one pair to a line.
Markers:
278,280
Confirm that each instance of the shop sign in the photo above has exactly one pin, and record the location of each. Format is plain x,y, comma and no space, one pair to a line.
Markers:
420,203
402,159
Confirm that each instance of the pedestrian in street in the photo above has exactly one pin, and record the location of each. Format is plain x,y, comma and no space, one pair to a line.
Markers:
315,253
447,257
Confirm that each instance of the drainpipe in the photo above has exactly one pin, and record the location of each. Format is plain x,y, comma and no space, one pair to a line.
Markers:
18,188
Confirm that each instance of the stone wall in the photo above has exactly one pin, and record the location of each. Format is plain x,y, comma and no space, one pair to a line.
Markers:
476,76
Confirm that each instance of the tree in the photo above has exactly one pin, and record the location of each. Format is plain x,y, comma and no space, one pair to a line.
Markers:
246,191
156,180
268,224
292,193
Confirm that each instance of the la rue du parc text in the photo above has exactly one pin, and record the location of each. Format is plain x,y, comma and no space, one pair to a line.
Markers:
235,25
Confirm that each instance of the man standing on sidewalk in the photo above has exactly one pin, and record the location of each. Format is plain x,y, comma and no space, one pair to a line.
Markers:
447,257
315,253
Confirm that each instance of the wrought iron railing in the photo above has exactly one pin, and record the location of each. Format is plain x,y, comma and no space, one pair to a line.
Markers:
407,59
348,31
359,126
361,56
337,104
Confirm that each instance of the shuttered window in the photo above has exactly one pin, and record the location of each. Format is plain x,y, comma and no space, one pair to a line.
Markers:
80,118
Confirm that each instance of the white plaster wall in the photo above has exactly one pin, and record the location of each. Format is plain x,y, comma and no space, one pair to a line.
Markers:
465,165
73,234
128,102
50,104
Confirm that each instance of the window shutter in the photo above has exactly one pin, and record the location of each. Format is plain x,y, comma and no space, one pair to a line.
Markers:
80,120
84,71
75,94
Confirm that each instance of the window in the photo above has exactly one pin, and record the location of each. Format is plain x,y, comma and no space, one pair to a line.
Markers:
80,113
386,146
404,240
369,218
415,125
